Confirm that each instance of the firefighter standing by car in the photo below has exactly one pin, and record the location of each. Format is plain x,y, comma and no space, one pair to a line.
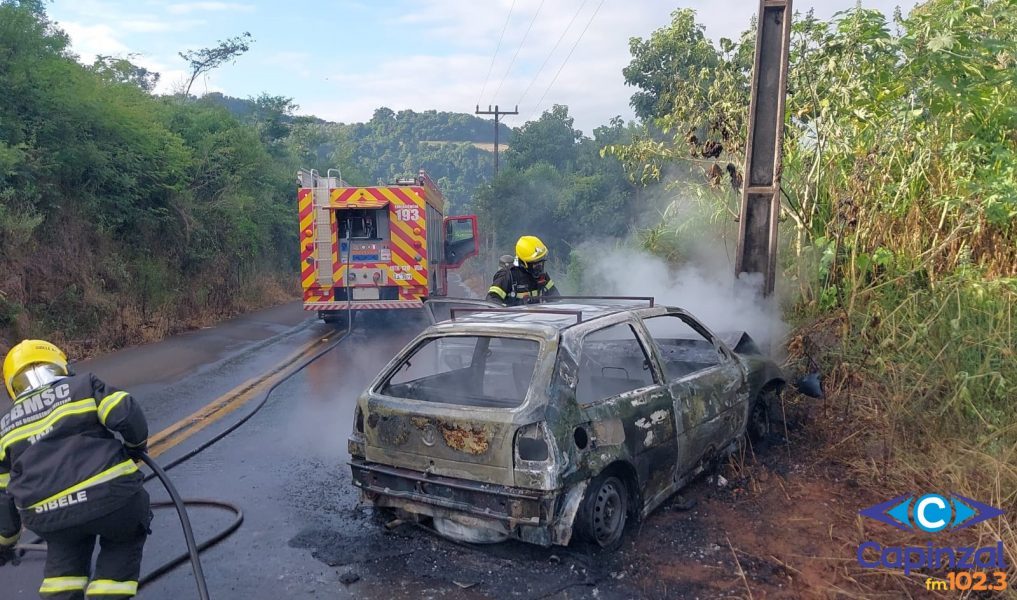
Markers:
66,477
524,281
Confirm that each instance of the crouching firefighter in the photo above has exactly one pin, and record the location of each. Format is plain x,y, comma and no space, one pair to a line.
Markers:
65,476
524,280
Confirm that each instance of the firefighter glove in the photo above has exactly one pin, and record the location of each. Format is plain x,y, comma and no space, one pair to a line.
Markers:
135,452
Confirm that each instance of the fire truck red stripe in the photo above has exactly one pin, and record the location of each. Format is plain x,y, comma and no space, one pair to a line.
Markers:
418,276
408,198
402,254
345,195
402,234
379,195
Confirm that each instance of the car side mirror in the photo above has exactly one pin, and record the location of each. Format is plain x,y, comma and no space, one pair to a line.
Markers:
811,386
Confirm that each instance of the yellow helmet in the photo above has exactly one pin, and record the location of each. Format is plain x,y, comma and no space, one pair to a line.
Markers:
32,363
530,249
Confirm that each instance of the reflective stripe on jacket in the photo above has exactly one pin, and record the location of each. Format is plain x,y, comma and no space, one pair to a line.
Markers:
515,285
60,464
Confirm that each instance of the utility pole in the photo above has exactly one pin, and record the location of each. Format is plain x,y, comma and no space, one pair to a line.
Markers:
497,112
757,225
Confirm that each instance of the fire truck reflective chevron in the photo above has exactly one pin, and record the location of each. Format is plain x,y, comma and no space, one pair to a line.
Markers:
377,247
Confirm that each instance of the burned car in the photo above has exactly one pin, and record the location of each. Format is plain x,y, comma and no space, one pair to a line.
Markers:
535,422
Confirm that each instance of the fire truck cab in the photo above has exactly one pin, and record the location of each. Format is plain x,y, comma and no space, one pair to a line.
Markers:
377,247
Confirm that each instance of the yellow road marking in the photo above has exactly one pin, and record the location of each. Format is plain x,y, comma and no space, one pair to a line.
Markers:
223,405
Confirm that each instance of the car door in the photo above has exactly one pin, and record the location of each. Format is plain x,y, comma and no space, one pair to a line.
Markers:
706,382
619,387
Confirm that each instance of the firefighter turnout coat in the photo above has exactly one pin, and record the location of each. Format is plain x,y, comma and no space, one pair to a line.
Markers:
60,464
515,285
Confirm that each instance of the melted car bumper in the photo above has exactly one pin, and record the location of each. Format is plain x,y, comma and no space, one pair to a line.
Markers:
533,516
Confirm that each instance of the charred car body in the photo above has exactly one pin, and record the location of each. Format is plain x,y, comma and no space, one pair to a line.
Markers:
533,422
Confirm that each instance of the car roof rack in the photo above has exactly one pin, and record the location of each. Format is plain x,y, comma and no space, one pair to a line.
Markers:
578,314
649,299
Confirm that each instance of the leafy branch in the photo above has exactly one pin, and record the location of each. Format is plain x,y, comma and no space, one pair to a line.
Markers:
207,59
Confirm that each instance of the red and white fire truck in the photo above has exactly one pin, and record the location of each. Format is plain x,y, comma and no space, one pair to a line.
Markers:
376,247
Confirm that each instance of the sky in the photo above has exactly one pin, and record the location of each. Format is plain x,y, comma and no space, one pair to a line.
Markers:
342,59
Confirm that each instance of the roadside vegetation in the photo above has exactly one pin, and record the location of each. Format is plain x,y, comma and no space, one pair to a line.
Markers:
124,216
899,247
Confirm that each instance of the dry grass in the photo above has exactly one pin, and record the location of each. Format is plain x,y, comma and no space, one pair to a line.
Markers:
920,399
86,315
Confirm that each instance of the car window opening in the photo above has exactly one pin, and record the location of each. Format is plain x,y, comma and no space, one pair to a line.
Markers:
479,371
612,362
684,350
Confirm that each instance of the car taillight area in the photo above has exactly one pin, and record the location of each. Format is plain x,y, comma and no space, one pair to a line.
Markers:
355,444
535,451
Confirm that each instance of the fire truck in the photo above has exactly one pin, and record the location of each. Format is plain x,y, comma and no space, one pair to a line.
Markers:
378,247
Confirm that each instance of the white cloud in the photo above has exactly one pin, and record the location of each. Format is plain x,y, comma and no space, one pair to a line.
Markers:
403,83
156,25
183,8
88,41
171,79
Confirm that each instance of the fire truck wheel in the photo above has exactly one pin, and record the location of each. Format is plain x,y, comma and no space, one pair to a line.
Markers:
334,319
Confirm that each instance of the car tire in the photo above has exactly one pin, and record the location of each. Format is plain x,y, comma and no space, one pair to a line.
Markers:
604,512
758,426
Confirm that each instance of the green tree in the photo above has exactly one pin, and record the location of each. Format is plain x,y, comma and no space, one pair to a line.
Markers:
666,65
551,139
122,70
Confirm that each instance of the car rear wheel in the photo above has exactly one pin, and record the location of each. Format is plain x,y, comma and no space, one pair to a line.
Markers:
759,415
605,512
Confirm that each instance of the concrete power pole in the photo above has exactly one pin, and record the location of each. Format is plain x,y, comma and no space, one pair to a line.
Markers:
497,115
757,225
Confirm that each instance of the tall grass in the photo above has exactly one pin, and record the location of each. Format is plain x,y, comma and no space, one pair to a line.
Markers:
899,236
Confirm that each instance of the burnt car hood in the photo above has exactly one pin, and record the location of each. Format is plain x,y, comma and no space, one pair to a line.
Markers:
761,369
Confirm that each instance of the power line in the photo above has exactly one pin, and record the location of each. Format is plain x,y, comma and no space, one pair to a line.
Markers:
496,49
567,57
521,44
551,53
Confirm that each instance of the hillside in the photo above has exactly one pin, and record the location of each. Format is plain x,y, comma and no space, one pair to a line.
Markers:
126,216
454,148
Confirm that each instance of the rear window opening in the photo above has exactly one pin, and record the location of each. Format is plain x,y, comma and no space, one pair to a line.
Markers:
478,371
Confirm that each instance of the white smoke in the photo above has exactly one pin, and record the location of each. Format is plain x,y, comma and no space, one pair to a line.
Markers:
706,287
